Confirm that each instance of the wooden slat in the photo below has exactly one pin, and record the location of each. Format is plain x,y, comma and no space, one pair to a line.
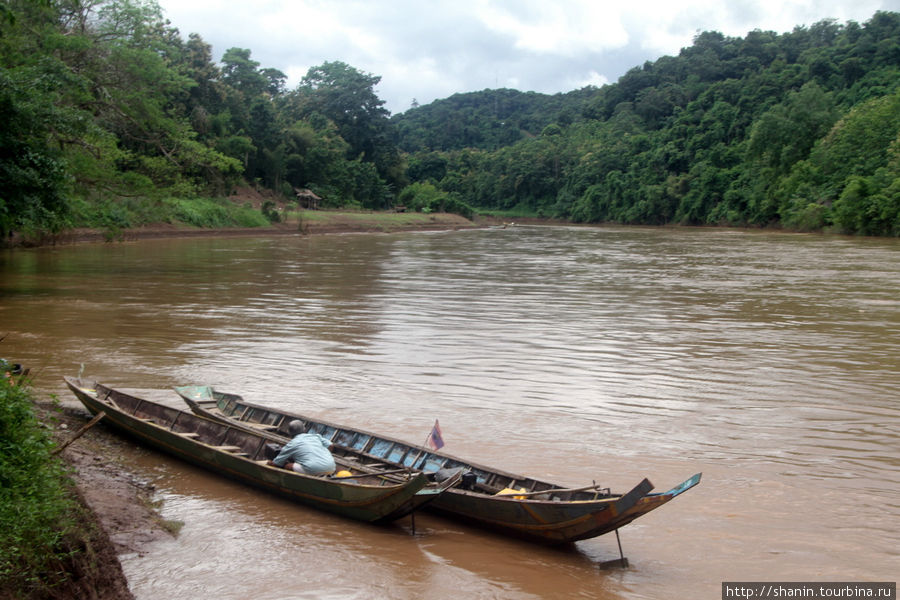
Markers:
230,448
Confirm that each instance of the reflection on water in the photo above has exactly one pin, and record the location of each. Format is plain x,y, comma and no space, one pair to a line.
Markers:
771,362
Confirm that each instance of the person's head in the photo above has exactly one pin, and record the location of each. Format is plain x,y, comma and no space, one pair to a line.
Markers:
296,427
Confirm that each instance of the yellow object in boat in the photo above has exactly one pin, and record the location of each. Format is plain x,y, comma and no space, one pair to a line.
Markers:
343,474
510,491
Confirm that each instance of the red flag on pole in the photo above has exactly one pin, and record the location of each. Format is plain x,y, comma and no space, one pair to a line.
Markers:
436,438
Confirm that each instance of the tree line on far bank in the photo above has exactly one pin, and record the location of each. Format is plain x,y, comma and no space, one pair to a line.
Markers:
798,130
113,119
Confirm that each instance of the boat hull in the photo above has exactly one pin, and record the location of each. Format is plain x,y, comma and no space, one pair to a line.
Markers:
239,455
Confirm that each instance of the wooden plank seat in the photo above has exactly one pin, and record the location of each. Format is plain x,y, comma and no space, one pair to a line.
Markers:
262,426
236,450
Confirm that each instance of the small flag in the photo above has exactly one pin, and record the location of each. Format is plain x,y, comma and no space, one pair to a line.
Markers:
436,438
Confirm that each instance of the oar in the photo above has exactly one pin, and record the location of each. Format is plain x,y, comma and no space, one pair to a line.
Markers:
80,432
559,491
378,474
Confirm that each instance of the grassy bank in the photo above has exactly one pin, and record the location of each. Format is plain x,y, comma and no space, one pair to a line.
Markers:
246,208
50,544
314,221
288,222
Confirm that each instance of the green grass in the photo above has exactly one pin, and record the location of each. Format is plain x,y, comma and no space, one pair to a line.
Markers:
38,515
114,216
125,213
210,213
384,221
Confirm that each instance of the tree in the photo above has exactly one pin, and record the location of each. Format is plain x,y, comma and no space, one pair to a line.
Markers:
346,96
32,172
241,73
787,132
206,97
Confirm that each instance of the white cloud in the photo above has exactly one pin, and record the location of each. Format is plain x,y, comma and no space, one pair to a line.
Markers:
594,78
564,28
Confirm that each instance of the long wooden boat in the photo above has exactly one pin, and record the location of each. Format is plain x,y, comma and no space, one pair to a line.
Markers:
365,493
513,504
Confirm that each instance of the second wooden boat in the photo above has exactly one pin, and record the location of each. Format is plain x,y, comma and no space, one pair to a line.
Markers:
514,504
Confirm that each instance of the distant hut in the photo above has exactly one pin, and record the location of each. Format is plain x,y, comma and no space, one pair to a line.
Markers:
307,198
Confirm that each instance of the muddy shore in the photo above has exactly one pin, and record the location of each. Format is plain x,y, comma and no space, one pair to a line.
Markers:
120,504
120,499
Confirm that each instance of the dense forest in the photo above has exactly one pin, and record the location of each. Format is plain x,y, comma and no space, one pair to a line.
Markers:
798,130
113,119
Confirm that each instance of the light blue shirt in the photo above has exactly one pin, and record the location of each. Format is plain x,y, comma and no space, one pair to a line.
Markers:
311,451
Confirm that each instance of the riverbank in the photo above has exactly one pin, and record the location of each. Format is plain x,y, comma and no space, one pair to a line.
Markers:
123,517
296,223
121,500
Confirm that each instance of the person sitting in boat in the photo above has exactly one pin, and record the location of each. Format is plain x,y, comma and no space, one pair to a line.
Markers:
306,452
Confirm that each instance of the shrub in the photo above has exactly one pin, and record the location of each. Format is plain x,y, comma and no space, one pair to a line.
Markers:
202,212
425,197
37,512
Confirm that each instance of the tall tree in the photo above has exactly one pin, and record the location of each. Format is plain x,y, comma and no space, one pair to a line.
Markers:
347,97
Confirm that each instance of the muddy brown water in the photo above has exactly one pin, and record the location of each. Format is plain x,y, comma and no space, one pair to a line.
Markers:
770,362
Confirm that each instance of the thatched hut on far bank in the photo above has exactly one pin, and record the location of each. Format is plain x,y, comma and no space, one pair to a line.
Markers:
308,199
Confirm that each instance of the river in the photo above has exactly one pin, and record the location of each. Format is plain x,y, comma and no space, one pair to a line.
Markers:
768,361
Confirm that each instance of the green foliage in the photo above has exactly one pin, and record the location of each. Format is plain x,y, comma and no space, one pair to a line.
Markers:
36,510
347,98
869,206
425,197
111,118
487,120
201,212
787,132
93,97
796,130
420,197
270,211
32,171
242,73
855,169
336,94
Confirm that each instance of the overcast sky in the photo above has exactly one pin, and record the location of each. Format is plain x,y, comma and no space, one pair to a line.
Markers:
431,49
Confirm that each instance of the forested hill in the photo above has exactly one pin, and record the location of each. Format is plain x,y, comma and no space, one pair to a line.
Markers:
798,130
487,120
111,118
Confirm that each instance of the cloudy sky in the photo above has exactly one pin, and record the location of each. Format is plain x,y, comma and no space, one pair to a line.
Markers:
431,49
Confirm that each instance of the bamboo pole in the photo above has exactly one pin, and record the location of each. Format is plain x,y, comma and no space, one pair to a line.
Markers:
559,491
80,432
375,474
